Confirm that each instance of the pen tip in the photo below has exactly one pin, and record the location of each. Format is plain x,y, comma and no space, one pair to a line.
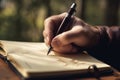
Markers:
49,50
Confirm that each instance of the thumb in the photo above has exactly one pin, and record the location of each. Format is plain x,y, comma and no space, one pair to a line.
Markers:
75,35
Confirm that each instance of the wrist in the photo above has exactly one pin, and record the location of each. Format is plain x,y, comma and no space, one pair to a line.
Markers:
94,36
102,37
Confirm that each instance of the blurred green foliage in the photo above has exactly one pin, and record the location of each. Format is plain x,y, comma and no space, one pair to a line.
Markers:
23,20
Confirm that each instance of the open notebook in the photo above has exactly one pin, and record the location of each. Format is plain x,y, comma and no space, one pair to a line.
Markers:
31,60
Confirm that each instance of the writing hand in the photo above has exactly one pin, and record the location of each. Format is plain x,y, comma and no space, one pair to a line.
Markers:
80,33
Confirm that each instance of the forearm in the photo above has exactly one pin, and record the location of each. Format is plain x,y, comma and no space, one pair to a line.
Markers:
114,32
110,36
108,47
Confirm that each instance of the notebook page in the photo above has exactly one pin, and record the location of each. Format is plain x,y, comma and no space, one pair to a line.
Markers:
33,58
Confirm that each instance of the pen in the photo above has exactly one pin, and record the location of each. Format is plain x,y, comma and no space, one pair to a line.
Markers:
65,22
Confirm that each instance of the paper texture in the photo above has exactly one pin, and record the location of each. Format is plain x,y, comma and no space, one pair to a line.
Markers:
31,57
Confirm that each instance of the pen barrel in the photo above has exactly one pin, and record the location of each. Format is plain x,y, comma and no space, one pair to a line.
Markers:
67,19
64,25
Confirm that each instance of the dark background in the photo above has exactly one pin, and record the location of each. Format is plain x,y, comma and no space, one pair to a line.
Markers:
22,20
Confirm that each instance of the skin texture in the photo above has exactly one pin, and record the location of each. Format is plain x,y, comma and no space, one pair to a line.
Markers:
79,36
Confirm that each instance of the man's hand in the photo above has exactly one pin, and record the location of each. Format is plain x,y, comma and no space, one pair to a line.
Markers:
79,33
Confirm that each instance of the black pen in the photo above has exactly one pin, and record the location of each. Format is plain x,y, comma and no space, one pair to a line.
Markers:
65,22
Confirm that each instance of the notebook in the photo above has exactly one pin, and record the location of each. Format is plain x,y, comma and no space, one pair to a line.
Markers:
30,59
